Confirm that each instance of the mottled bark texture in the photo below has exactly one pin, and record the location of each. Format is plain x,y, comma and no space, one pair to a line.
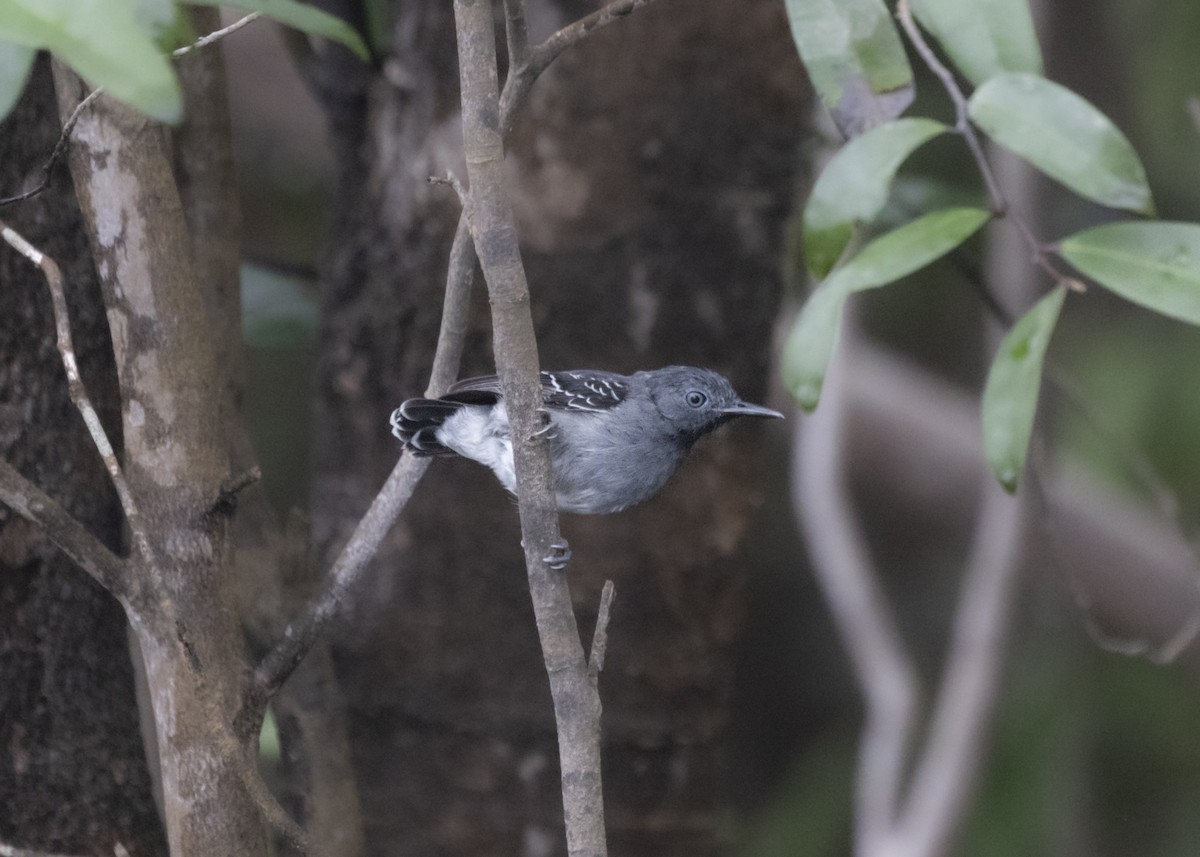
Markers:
651,172
73,775
176,461
272,574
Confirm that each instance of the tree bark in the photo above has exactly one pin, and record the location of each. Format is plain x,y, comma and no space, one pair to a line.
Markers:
652,172
73,776
176,463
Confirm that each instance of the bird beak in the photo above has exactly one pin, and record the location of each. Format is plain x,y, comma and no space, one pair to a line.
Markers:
745,409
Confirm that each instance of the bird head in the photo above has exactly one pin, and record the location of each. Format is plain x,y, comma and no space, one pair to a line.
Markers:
696,401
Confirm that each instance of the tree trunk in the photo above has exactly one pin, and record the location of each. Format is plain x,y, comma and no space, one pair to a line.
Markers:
177,461
73,774
652,173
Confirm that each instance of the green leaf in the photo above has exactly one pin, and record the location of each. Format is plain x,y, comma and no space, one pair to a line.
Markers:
1064,136
884,260
983,37
307,19
855,59
15,62
1011,393
1153,264
154,16
854,187
809,345
104,43
910,247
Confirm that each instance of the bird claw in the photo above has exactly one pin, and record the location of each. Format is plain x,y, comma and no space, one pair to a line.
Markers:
547,428
559,556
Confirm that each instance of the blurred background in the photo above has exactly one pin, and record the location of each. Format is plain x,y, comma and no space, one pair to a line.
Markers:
1095,752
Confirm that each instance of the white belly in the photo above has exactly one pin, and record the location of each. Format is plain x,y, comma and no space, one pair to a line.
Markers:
481,434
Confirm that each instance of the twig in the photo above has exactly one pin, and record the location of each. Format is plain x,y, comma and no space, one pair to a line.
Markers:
842,563
964,128
241,481
216,35
947,769
522,77
84,549
60,147
303,631
456,311
452,180
226,501
76,390
517,32
600,634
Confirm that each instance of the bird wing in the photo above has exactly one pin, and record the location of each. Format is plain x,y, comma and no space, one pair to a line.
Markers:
579,390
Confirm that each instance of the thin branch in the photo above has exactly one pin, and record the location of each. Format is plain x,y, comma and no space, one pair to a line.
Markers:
300,635
84,549
452,180
521,77
76,390
226,501
456,311
303,631
1129,570
216,35
60,147
574,694
964,128
517,32
600,634
962,119
947,769
842,563
545,53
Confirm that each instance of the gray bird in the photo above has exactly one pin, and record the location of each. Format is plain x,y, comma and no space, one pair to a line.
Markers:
614,439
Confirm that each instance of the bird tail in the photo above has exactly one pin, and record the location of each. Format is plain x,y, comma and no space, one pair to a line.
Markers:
416,423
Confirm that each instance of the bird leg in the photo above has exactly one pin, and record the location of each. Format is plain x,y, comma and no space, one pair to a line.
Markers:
544,430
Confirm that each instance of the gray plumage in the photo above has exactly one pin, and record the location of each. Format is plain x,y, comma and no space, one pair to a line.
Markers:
614,440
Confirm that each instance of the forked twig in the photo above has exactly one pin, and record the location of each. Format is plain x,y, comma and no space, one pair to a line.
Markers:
521,76
964,128
75,388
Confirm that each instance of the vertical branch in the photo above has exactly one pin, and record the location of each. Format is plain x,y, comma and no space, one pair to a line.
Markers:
176,463
846,573
948,768
517,32
576,701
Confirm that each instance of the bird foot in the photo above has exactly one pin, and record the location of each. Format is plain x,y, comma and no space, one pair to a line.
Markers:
547,428
559,556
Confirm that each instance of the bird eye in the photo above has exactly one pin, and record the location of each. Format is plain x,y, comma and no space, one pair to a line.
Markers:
696,399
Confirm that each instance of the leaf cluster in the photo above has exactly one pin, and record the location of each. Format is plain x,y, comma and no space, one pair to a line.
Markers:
124,46
855,56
